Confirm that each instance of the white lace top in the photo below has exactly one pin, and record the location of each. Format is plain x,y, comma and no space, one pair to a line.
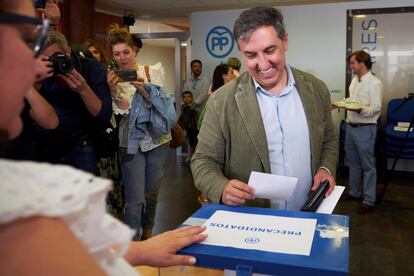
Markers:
127,90
78,198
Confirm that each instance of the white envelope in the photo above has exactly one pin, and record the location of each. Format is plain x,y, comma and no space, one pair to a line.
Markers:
272,186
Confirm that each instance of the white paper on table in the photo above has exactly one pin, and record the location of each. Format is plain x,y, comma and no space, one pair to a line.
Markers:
261,232
272,186
328,203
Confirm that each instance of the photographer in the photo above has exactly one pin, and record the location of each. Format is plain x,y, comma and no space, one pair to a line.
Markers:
80,95
52,221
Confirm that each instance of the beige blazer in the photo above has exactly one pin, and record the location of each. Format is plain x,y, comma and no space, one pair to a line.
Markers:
232,140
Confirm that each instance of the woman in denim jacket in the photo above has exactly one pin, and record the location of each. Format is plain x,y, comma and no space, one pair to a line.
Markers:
144,133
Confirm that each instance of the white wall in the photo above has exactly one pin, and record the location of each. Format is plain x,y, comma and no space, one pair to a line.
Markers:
150,55
317,41
149,26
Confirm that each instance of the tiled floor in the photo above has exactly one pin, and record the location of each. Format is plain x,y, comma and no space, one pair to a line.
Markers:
381,242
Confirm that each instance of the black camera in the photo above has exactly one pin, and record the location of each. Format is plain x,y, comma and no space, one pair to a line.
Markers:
62,64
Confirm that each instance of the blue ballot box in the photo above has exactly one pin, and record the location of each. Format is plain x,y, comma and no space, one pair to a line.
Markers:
328,252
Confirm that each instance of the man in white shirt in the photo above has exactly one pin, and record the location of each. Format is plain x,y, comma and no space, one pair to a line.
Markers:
361,130
197,84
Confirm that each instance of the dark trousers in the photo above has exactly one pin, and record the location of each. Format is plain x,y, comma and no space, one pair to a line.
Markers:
80,155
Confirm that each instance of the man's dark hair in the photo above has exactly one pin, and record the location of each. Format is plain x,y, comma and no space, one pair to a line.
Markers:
254,18
137,41
187,92
196,61
361,56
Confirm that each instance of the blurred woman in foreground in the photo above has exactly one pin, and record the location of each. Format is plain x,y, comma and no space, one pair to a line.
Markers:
52,218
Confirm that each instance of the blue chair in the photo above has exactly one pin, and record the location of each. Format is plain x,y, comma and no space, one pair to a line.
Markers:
399,110
398,144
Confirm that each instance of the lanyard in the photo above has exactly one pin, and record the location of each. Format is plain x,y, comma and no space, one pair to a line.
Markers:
194,83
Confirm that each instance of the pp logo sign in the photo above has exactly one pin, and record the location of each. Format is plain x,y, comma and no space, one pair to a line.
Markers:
219,42
252,240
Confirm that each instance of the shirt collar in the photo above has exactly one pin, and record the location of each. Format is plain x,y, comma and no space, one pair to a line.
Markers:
290,83
364,77
196,79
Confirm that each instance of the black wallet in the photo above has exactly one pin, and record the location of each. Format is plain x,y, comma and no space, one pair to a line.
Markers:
315,198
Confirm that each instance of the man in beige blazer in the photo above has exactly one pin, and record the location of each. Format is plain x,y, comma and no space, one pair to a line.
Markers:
236,136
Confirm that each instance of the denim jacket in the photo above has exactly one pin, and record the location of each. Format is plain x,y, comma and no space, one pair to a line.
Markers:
155,116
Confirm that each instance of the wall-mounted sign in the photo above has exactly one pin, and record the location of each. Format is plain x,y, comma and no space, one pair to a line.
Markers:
219,42
386,34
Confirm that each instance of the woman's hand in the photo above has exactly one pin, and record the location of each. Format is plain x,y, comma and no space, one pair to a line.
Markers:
139,84
161,250
112,80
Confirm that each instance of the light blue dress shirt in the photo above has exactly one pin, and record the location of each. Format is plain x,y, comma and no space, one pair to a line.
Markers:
287,135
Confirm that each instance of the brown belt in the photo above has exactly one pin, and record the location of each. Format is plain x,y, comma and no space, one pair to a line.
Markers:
360,124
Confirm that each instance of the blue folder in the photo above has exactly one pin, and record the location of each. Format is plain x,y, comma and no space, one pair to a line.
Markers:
328,256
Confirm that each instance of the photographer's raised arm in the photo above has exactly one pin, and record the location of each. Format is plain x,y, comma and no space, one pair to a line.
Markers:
77,83
112,80
51,12
41,111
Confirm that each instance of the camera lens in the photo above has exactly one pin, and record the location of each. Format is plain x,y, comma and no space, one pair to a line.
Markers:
62,64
